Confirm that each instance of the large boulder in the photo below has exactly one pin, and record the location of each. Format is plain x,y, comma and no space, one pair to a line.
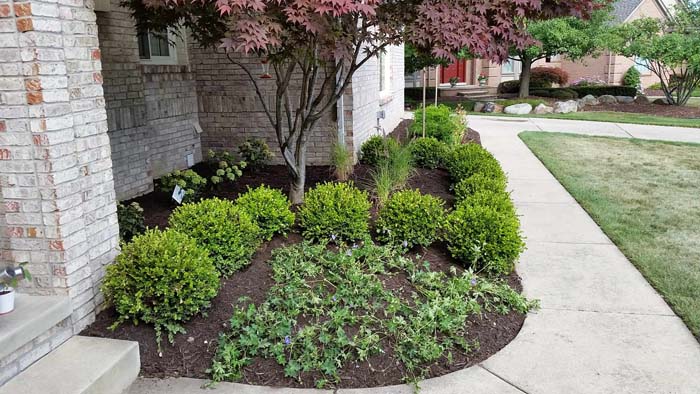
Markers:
660,101
624,99
488,107
581,104
607,99
543,109
565,107
590,100
518,109
479,106
641,99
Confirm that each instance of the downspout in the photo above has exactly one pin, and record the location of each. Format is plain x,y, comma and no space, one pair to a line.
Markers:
340,108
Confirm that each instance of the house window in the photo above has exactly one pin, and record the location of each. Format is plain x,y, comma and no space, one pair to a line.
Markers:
642,65
384,72
157,48
508,67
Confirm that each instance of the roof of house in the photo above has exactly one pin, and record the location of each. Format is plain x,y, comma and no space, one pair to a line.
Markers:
623,9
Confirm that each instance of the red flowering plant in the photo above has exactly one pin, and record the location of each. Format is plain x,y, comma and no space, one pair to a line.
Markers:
315,46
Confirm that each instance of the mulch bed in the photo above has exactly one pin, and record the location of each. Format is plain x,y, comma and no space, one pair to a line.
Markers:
673,111
192,353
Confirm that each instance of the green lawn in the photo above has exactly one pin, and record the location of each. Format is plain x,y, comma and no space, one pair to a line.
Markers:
645,195
616,117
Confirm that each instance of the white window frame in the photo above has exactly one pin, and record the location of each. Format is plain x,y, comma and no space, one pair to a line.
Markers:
384,66
171,59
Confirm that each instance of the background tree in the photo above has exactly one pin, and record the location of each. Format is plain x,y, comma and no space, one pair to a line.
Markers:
574,38
416,59
315,46
669,49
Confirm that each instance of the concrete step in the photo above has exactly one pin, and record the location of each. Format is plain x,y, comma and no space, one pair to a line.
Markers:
82,365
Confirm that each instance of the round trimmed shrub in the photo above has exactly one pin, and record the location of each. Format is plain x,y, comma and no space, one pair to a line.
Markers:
161,278
223,228
269,208
469,159
484,238
376,150
428,152
335,212
440,123
498,200
410,218
477,183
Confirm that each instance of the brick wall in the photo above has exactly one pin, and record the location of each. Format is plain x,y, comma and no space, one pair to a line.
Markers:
151,109
56,188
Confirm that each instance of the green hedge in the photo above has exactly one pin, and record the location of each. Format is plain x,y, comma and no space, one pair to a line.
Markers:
417,93
604,90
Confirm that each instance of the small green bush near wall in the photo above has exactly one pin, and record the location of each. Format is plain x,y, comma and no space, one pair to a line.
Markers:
335,212
191,182
428,152
269,208
131,221
410,218
161,278
223,228
632,77
376,150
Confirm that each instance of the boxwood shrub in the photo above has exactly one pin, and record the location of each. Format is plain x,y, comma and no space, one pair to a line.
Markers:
598,91
478,183
440,123
376,150
410,218
428,152
269,208
469,159
557,93
483,237
223,228
335,212
161,278
189,180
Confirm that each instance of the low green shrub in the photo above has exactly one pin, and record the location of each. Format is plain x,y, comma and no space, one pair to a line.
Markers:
223,228
130,218
226,167
440,123
416,94
557,93
632,78
498,200
428,152
478,183
410,218
255,153
192,183
469,159
269,208
376,150
484,237
161,278
612,90
512,87
335,212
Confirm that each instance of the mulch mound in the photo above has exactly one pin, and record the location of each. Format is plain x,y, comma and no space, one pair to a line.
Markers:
192,352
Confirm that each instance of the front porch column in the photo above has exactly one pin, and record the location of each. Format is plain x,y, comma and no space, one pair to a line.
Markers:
57,200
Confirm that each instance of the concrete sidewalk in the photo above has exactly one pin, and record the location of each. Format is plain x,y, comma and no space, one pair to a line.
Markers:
602,328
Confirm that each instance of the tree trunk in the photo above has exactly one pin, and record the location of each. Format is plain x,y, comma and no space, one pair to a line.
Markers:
298,176
525,77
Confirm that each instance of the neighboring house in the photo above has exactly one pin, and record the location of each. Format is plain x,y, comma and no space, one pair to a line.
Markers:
90,114
608,67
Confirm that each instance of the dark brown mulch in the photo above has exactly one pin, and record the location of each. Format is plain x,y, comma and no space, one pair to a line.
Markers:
192,352
673,111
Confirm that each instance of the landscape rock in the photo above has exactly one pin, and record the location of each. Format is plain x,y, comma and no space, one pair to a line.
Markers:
660,101
624,99
641,99
590,100
498,109
543,109
518,109
565,107
479,106
488,107
581,104
607,99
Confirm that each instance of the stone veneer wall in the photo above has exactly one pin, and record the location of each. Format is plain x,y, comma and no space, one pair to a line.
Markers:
57,200
151,109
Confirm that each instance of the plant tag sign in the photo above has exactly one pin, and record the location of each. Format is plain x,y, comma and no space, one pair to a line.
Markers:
178,194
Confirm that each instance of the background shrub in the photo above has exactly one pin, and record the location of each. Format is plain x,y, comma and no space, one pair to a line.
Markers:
512,87
335,212
130,218
547,76
612,90
189,180
440,123
557,93
477,183
484,238
469,159
428,152
161,278
632,78
223,228
225,167
269,208
376,150
410,218
255,153
416,94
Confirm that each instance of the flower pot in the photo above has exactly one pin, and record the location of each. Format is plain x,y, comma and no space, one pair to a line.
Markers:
482,83
7,300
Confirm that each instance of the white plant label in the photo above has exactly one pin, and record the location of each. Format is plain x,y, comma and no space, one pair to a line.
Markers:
178,194
190,160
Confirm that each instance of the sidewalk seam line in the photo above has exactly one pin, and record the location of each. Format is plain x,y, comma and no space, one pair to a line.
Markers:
609,312
619,126
502,378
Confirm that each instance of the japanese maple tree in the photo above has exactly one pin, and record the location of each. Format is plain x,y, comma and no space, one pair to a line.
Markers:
315,46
